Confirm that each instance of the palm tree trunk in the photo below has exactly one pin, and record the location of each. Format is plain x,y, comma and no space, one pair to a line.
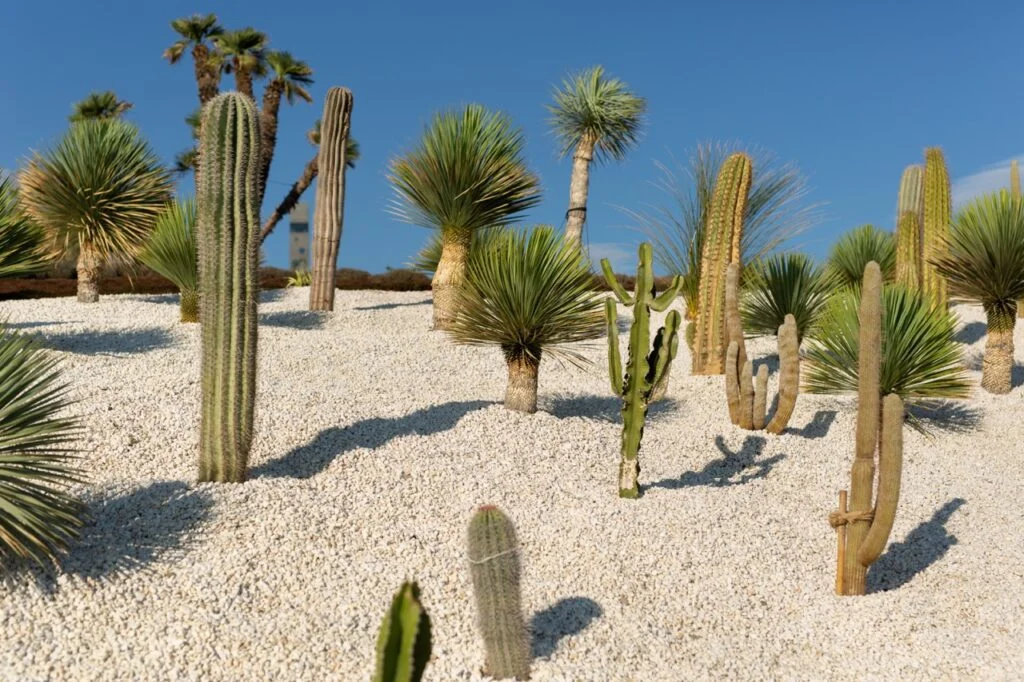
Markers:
579,188
207,79
268,132
88,274
189,305
997,366
294,194
450,273
521,390
243,81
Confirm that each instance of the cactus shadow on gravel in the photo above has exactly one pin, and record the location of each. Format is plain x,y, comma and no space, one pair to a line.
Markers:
115,342
294,319
564,618
391,306
818,427
946,415
312,458
971,333
923,546
601,408
734,468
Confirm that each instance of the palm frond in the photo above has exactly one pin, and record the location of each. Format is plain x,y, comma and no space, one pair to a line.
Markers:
21,240
858,247
171,247
291,73
780,285
99,105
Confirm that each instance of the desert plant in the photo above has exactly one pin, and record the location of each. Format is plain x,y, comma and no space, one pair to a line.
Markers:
98,191
21,241
855,249
984,262
467,173
172,251
780,285
99,105
1015,192
596,118
909,213
529,295
404,641
289,76
427,258
243,53
644,371
495,569
228,231
938,209
301,278
197,32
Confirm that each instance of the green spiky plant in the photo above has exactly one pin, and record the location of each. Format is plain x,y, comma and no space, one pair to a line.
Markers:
984,262
228,235
1015,192
495,568
784,284
530,294
938,210
644,371
99,105
909,214
301,278
22,247
427,258
467,173
855,249
404,641
171,250
244,53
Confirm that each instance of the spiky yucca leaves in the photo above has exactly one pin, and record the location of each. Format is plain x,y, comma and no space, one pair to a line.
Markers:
404,641
21,240
301,278
530,294
468,172
984,262
427,258
172,251
858,247
780,285
99,105
37,460
938,209
98,191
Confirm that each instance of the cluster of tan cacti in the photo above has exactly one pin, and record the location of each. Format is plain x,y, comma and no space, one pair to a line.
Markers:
923,212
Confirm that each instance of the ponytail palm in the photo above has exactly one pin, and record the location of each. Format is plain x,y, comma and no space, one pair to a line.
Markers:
171,251
985,263
528,295
783,284
467,173
858,247
21,240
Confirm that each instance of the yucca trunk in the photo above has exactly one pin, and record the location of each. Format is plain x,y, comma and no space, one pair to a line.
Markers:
997,366
579,188
309,174
189,305
450,273
521,390
268,131
89,263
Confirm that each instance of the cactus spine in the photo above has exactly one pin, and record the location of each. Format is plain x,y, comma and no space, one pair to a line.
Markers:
494,565
644,370
228,243
938,210
403,645
723,235
330,197
909,213
864,528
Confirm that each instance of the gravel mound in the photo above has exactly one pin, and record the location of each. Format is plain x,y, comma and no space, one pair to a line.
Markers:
376,440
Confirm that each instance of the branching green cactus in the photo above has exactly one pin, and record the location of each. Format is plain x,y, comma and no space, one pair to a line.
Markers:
403,645
228,238
494,565
938,209
644,370
909,214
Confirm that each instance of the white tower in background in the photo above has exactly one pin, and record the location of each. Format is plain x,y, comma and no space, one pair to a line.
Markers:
298,247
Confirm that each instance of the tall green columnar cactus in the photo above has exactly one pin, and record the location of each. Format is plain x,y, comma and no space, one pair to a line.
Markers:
228,240
864,528
909,214
938,209
494,564
330,197
1014,178
723,234
403,645
644,370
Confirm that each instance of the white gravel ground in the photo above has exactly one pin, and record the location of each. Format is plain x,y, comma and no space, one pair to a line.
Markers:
375,441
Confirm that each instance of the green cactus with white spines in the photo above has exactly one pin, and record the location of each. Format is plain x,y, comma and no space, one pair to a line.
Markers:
228,239
938,210
644,371
404,641
909,213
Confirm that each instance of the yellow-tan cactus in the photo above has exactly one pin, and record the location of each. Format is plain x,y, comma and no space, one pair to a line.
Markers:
789,375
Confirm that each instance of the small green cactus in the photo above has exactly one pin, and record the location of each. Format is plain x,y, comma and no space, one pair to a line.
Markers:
938,209
403,645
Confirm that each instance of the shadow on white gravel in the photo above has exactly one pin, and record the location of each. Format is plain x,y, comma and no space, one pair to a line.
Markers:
922,547
565,618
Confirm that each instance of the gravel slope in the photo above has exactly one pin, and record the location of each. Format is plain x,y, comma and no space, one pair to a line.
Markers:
375,441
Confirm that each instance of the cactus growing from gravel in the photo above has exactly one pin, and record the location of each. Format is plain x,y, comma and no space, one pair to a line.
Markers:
909,211
330,197
495,568
644,370
864,528
938,210
724,233
228,239
403,645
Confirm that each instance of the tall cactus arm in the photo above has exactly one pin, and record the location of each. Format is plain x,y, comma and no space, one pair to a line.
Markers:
611,315
609,276
403,645
732,382
890,469
747,395
665,299
789,375
663,351
760,396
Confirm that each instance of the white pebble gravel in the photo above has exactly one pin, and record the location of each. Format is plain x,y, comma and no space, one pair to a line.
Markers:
375,441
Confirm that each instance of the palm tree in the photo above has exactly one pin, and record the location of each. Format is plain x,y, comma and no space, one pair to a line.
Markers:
21,240
188,160
467,173
985,263
171,251
99,105
780,285
244,52
595,117
528,295
197,32
97,192
289,77
858,247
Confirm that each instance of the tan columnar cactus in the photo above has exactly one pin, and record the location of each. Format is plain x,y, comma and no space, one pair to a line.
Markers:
909,214
938,210
789,375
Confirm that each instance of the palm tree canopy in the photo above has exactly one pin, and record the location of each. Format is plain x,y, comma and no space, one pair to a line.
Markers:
292,74
780,285
102,183
591,106
858,247
171,248
194,30
528,294
245,49
99,105
468,172
985,257
21,240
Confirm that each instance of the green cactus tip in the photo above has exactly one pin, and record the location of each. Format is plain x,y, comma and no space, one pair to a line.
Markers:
403,645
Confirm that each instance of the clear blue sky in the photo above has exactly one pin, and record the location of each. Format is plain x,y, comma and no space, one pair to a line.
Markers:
851,92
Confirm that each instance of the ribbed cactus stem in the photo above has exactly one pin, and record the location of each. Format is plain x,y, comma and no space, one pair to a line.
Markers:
760,397
228,244
938,210
495,569
330,197
732,382
747,395
789,375
890,471
1014,178
404,641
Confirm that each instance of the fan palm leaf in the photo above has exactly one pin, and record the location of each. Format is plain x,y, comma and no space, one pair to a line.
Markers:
780,285
858,247
244,54
99,105
171,251
21,240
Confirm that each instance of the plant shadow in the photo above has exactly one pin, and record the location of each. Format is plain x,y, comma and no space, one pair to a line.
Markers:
294,319
734,468
565,618
30,325
315,456
159,298
945,415
272,295
922,547
602,408
971,333
818,427
107,342
390,306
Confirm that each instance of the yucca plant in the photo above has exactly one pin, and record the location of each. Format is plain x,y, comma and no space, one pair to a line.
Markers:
301,278
427,258
98,192
171,251
780,285
529,294
983,261
21,240
858,247
467,173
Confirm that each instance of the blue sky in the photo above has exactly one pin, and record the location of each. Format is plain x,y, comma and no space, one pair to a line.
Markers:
851,92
